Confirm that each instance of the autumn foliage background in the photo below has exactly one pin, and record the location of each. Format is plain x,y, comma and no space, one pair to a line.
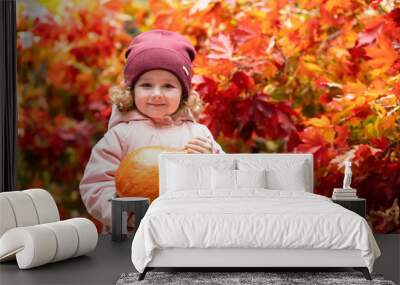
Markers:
319,76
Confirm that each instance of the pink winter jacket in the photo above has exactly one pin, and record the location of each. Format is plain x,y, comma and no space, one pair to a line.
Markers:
127,132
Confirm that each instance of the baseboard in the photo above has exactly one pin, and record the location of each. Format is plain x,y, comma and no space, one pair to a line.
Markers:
388,263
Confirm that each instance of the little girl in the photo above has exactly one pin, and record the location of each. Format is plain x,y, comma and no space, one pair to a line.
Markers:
156,107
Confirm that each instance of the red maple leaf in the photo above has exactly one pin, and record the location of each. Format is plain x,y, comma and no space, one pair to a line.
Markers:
243,81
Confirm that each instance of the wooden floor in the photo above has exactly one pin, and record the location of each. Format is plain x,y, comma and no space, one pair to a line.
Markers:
389,262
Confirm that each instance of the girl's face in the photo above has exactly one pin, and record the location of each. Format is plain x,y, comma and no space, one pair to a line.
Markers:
157,93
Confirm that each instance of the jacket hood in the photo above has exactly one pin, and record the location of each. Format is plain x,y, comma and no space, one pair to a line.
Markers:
178,118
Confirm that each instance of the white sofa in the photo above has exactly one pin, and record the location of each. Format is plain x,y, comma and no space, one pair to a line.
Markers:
31,231
289,176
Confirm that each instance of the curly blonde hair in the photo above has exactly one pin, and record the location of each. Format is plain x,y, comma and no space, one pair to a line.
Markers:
123,97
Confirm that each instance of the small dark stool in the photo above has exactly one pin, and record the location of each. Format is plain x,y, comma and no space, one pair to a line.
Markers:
120,209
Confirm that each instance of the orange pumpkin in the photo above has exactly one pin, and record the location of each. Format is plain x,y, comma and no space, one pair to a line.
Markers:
137,174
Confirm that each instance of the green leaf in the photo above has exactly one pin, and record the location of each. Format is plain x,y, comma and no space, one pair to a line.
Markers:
277,94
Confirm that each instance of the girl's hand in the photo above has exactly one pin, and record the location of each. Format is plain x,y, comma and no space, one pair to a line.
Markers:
199,145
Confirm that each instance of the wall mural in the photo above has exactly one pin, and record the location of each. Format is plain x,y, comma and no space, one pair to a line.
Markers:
321,77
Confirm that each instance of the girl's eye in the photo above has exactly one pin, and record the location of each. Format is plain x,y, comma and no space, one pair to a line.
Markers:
169,86
145,85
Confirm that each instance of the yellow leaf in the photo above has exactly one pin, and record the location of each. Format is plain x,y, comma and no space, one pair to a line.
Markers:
376,72
313,67
379,110
337,117
322,122
371,131
394,79
329,134
256,13
51,5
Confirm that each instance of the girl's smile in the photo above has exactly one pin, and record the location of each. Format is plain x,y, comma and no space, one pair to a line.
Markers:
157,105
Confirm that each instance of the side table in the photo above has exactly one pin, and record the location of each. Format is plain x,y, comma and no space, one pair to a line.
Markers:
357,205
120,209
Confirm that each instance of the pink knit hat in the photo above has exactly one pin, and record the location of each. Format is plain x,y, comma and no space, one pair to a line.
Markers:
160,49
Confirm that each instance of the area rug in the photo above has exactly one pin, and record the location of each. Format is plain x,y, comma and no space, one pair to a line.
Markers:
242,278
